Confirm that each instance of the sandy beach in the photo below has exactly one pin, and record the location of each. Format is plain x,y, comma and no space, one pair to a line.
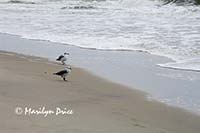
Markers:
98,106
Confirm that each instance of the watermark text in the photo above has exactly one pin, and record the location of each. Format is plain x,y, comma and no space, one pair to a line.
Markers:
43,111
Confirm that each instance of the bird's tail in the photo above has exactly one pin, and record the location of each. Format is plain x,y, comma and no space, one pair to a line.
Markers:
54,73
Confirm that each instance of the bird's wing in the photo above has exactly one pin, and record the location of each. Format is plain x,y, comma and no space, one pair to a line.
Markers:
60,57
61,72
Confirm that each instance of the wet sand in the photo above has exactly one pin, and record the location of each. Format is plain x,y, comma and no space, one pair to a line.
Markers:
98,106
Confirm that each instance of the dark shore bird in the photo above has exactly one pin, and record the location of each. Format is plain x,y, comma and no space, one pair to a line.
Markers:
63,58
64,73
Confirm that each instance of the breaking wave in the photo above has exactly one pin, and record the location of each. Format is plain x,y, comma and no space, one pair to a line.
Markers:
21,2
182,2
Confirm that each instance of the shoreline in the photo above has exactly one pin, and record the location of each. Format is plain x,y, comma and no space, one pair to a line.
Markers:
85,48
99,105
170,60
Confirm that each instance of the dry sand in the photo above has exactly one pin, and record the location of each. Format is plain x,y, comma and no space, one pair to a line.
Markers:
98,105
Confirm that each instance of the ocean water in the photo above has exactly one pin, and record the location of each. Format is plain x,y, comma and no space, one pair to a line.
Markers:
159,27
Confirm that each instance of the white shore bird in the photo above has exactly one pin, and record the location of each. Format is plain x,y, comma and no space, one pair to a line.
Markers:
64,73
63,58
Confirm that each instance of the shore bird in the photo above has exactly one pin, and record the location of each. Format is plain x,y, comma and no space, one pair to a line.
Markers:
63,58
63,73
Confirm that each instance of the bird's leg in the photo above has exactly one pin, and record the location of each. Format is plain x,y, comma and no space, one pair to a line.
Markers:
64,63
64,78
